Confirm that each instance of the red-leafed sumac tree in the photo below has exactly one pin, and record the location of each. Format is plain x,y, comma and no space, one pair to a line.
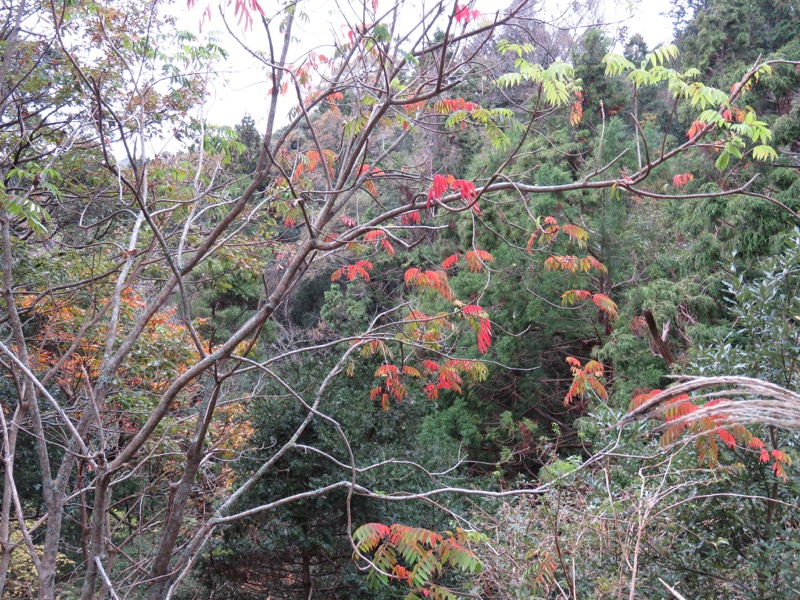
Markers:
118,397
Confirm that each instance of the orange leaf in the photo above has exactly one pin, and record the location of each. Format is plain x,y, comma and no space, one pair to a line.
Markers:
476,258
561,263
386,371
640,399
570,297
576,233
696,128
606,304
411,371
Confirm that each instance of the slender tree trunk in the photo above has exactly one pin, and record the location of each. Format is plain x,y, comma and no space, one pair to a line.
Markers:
97,548
174,521
9,452
28,398
10,435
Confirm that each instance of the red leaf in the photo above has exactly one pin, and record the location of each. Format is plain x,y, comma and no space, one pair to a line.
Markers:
450,261
484,336
561,263
374,235
432,280
431,366
448,105
726,437
350,272
465,15
411,218
590,262
465,188
780,456
242,11
570,297
412,275
640,399
473,310
449,379
437,189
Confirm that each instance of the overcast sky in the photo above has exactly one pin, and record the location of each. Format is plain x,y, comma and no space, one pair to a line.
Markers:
243,89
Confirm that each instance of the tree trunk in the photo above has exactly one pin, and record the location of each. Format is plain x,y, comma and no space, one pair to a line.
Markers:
194,456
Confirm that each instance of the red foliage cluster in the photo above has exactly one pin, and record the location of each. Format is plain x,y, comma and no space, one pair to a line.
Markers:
411,218
484,326
710,428
573,264
601,301
465,15
377,236
475,260
550,229
465,188
350,272
446,376
392,386
682,179
448,105
432,280
696,128
584,378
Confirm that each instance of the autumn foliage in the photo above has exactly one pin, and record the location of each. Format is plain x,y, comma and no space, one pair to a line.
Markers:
708,430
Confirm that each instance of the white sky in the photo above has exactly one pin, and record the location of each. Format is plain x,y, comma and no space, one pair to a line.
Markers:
242,90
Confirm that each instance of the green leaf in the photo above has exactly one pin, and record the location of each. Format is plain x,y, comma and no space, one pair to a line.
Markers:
616,64
723,160
764,153
508,80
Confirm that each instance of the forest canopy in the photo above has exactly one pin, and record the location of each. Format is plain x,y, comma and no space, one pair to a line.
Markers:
468,305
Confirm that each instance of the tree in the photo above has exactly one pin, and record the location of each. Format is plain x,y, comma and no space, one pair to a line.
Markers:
133,400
